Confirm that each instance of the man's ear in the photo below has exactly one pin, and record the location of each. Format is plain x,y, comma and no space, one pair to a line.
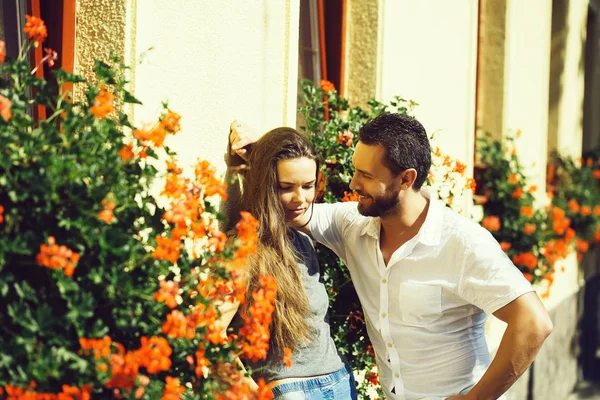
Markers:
408,178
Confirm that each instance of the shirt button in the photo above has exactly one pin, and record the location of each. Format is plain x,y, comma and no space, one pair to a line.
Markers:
397,375
383,315
390,345
384,281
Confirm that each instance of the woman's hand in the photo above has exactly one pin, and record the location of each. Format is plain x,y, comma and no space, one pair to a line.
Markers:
241,139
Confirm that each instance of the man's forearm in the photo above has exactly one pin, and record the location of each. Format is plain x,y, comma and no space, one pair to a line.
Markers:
518,348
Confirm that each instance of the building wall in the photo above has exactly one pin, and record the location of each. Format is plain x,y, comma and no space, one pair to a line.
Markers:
429,54
212,61
567,84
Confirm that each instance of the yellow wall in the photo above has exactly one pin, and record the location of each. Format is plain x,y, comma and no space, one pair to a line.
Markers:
569,22
526,81
429,53
215,61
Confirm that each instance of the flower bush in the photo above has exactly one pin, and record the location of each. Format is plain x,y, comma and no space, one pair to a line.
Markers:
574,188
332,125
104,292
536,237
522,229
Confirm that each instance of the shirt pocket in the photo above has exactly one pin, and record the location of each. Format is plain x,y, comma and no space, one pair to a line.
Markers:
420,304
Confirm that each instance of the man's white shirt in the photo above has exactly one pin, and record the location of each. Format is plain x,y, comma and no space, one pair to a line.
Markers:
425,311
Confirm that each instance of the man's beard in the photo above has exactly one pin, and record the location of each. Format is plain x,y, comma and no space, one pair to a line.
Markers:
380,206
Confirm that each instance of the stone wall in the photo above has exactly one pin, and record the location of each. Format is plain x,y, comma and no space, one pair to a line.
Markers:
554,373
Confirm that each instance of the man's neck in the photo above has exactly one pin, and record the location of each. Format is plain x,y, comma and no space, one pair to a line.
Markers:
409,216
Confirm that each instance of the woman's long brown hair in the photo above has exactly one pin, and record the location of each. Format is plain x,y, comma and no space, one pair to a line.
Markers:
275,254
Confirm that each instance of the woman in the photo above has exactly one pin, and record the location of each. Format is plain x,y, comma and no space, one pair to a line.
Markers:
279,187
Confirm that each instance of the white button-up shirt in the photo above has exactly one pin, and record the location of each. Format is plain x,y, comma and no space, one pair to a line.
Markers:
425,311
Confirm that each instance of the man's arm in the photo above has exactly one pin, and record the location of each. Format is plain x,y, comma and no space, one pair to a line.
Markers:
528,326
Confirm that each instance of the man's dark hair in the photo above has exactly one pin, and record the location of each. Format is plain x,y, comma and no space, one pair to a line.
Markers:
405,143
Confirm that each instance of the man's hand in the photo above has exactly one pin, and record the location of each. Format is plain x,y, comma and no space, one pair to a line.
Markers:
241,139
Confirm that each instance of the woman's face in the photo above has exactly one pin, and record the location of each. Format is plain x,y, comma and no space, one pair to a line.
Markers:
297,180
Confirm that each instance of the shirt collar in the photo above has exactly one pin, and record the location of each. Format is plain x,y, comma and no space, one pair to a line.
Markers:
431,231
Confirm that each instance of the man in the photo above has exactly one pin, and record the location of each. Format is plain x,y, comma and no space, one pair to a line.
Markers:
426,277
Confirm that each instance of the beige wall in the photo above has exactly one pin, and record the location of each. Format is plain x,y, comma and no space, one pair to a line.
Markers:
526,81
103,27
490,79
362,50
429,52
567,85
215,61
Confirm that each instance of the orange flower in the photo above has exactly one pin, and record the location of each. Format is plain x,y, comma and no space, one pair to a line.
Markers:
217,241
460,167
100,347
35,29
2,56
527,211
126,152
529,229
155,354
589,162
491,223
527,260
573,206
5,111
178,325
345,137
247,231
532,189
585,210
174,186
103,104
255,332
206,177
167,249
173,167
517,193
201,361
287,359
513,178
350,196
528,276
596,211
471,184
107,215
505,246
1,214
581,245
263,392
170,122
167,293
570,235
57,257
173,389
597,173
326,86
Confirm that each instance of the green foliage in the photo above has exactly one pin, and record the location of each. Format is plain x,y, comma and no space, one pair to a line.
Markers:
79,245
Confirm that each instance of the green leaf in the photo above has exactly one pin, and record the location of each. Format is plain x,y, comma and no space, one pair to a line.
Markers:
129,98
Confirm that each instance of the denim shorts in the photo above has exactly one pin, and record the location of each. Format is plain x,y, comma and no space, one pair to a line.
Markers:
338,385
